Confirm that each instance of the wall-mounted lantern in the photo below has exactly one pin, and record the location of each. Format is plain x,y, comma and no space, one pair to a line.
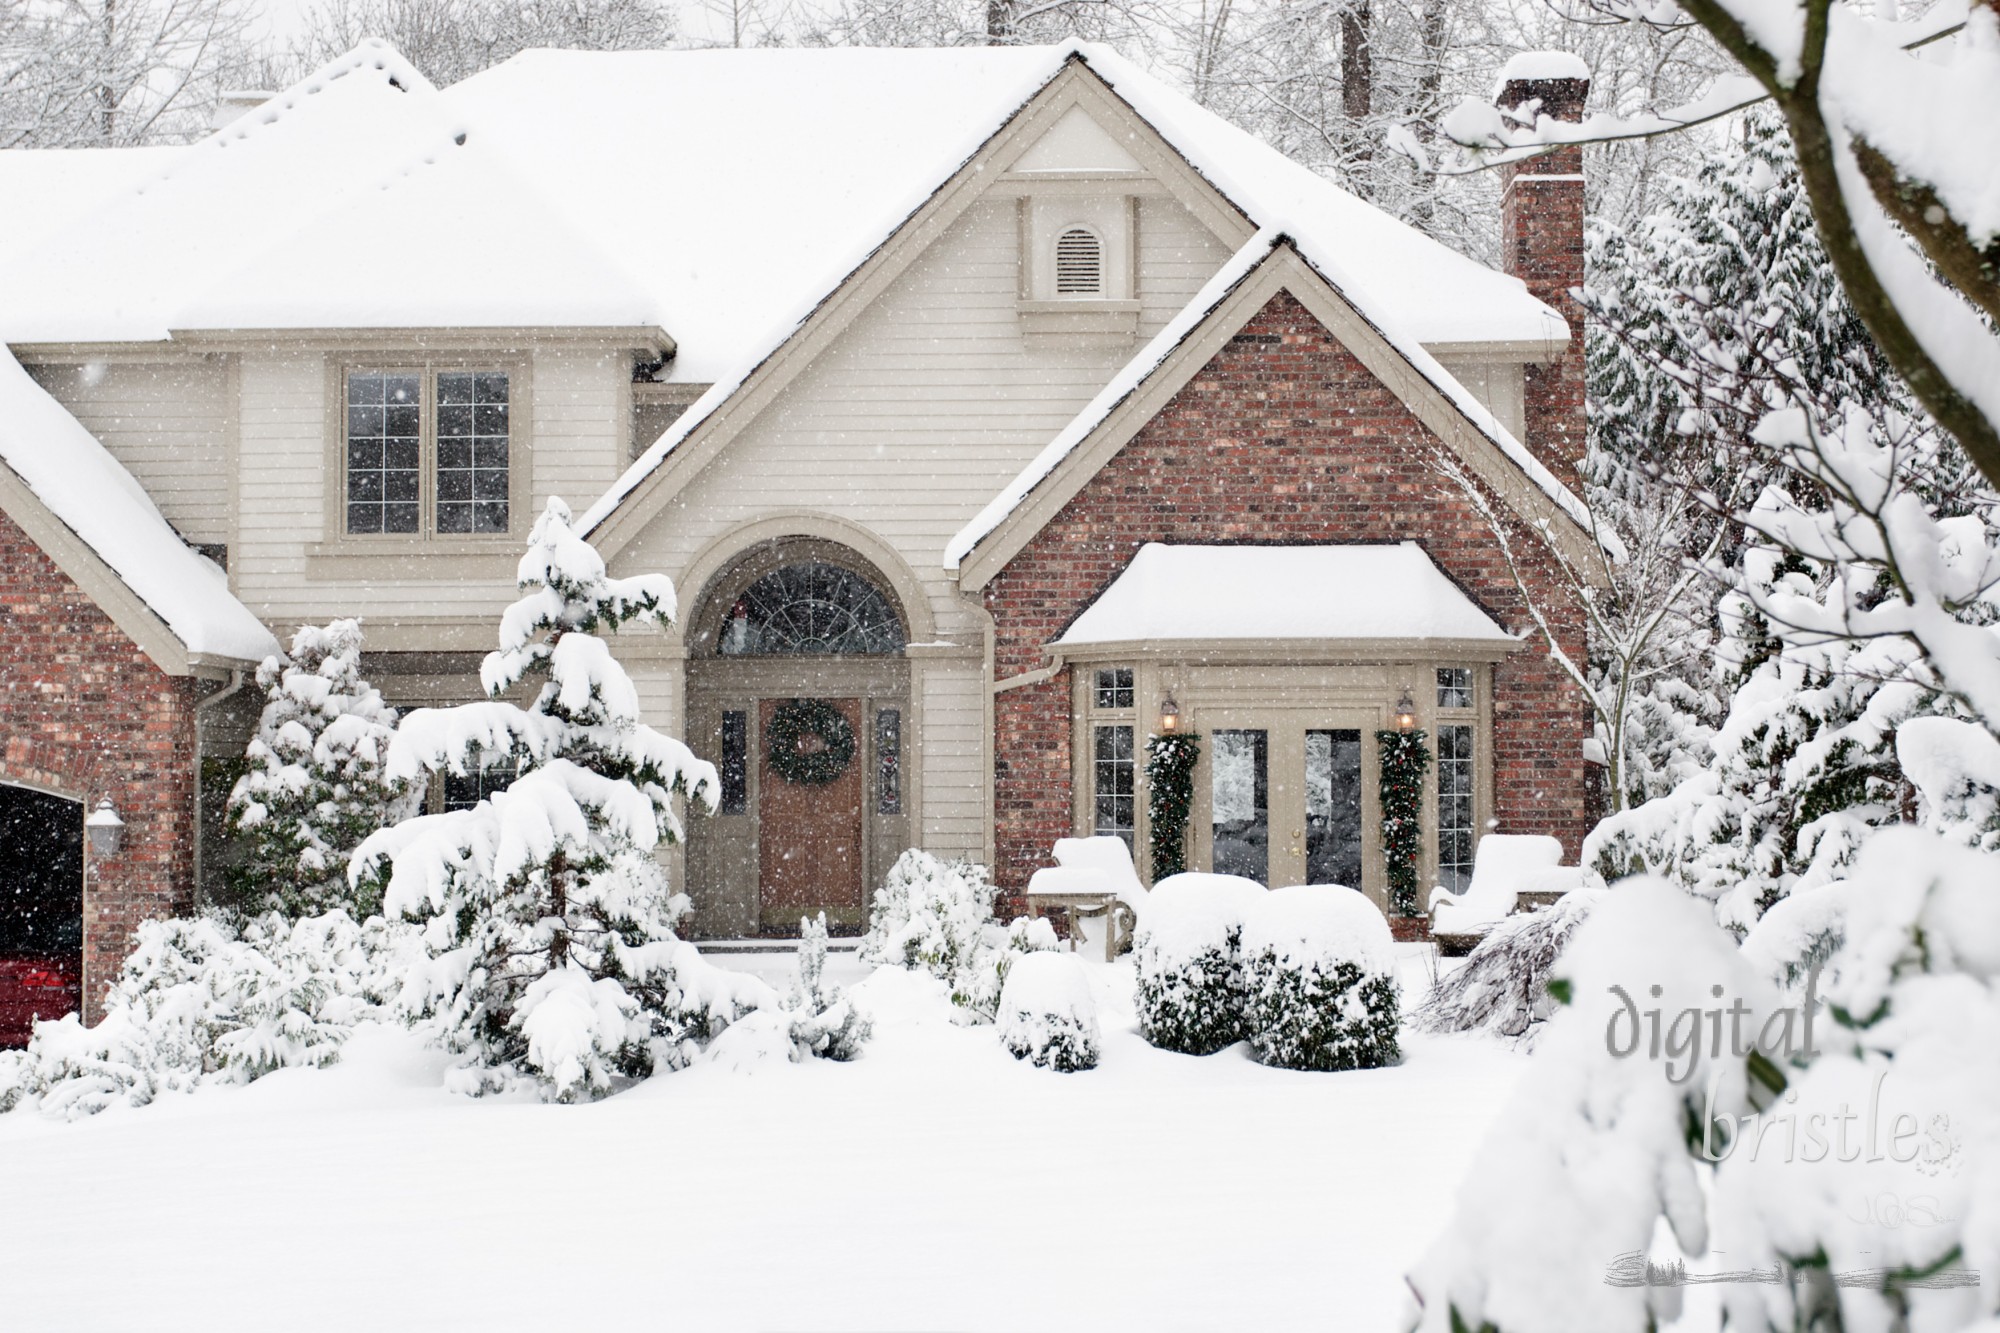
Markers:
1170,716
105,829
1406,713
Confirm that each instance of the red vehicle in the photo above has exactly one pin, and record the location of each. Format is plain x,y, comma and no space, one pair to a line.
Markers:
41,910
32,988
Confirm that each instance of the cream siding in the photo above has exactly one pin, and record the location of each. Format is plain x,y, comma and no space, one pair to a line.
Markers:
950,754
168,424
1497,384
572,441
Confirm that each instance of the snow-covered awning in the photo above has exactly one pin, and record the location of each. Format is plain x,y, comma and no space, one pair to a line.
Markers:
1220,594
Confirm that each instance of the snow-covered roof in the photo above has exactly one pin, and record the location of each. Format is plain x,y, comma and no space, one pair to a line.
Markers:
83,486
740,269
1206,593
1177,330
1539,66
356,198
60,185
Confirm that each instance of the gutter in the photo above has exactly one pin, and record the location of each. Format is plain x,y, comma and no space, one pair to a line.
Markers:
202,706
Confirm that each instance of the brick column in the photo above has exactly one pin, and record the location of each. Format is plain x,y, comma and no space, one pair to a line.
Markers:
1541,242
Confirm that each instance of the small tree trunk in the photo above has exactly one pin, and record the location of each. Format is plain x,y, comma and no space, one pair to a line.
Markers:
107,97
1357,86
999,22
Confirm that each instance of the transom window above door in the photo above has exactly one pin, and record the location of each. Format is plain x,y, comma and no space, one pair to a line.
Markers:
428,451
810,608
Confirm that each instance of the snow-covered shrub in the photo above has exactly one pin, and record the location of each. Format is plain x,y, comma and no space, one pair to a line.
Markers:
936,916
1503,985
1321,977
929,914
315,785
548,919
825,1022
1187,950
1047,1016
202,1001
976,989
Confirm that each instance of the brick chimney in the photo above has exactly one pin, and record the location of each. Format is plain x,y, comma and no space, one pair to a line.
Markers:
1541,242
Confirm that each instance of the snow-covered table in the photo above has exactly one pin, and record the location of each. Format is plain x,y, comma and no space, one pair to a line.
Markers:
1081,892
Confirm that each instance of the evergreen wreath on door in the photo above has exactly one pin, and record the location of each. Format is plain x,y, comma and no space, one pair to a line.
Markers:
809,743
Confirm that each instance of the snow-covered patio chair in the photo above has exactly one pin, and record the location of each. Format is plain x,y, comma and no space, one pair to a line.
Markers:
1095,881
1504,865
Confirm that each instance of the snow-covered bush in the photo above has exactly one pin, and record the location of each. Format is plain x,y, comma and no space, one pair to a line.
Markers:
825,1022
1503,985
202,1001
1047,1016
936,916
929,914
1187,950
1320,971
548,919
976,989
315,785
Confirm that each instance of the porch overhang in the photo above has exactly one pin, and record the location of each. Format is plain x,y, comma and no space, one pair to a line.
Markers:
1288,603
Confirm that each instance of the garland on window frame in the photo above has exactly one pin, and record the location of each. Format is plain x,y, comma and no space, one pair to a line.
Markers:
793,722
1405,758
1170,798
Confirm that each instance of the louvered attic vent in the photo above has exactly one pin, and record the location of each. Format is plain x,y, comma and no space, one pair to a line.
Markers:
1079,264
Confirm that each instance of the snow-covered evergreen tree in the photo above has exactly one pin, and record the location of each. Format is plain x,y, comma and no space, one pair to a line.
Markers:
824,1021
1760,756
317,783
549,920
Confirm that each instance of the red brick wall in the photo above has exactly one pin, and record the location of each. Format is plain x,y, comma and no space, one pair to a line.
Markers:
1283,437
85,713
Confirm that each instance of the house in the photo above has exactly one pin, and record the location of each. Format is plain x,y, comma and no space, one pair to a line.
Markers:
986,406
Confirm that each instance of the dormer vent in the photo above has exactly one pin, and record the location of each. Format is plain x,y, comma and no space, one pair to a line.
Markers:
1079,263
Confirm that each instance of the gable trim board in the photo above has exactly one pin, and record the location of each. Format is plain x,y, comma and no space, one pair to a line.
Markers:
1271,264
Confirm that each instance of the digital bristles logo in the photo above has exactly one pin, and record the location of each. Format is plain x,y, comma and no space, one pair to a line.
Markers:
1843,1123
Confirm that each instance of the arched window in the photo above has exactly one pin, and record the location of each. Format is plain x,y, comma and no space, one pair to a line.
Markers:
1079,263
810,608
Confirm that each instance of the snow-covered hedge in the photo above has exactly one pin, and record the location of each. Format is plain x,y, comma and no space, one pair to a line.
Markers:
1321,976
200,1001
1047,1016
1503,985
1187,949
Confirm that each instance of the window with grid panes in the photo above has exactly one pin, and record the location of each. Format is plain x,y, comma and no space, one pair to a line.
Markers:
1114,768
1457,778
428,451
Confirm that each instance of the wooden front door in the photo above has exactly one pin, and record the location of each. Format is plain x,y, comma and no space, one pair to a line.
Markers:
809,837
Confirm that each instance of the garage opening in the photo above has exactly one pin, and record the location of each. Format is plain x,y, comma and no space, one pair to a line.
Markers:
41,910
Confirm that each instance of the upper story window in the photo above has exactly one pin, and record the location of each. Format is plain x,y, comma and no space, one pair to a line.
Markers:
429,451
1079,263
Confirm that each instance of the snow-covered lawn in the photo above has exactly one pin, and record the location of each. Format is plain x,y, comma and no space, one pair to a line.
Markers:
934,1184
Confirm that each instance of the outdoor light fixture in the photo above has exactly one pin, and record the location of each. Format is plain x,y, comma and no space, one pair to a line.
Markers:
105,828
1406,712
1170,716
